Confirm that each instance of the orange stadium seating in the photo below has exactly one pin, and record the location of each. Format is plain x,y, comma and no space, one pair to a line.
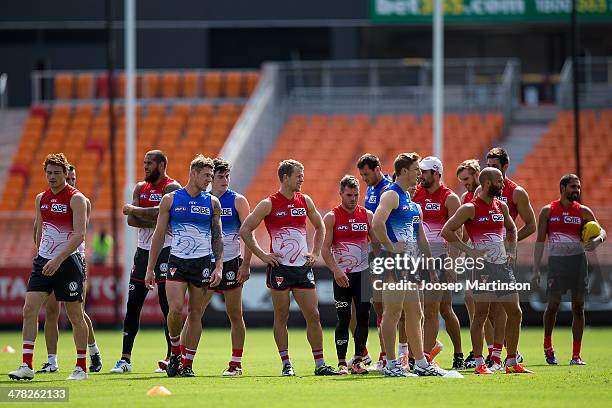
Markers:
81,131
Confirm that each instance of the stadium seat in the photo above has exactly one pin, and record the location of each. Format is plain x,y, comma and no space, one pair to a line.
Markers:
63,86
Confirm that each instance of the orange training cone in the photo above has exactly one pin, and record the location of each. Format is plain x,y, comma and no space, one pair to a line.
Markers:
158,391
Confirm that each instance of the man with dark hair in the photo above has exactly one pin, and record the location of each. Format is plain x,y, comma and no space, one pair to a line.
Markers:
194,217
561,222
142,214
289,261
345,251
438,203
236,270
397,224
371,173
60,227
485,219
52,309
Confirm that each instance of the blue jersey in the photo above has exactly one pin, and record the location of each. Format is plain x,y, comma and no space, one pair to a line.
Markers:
403,222
230,223
190,219
373,193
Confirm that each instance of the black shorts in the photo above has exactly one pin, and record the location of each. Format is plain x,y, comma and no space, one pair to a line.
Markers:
66,283
284,277
439,273
567,273
498,273
195,271
229,277
141,259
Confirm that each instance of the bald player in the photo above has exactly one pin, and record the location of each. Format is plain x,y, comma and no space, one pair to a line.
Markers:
467,173
485,219
517,200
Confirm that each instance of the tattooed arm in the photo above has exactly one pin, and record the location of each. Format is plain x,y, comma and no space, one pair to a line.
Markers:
216,242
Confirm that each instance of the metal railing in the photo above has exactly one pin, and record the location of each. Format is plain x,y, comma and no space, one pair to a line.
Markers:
3,90
594,78
393,86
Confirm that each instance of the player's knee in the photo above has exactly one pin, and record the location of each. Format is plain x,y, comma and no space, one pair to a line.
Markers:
514,313
29,311
446,311
577,308
52,311
312,316
552,307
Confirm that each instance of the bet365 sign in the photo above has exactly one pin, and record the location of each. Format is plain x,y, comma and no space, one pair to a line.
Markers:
420,11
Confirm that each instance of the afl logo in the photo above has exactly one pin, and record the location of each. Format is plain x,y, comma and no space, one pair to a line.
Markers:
432,206
281,213
155,197
555,219
179,209
44,207
59,208
572,220
359,226
226,212
73,286
298,212
497,217
196,209
342,228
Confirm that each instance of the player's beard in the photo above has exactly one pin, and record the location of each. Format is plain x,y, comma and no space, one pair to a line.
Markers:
494,191
153,176
575,196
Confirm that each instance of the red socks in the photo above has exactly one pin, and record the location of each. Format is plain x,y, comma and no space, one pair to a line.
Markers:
236,358
576,346
547,343
28,352
82,359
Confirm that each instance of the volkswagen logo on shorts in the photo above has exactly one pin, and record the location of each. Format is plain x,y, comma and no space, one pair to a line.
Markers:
206,273
231,275
73,286
163,267
131,286
310,276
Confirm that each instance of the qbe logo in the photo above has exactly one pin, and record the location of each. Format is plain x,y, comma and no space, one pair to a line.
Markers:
155,197
59,208
432,206
572,220
359,226
298,212
497,217
226,212
197,209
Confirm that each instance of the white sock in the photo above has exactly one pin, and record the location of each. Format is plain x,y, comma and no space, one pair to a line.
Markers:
93,349
422,363
402,349
479,361
52,359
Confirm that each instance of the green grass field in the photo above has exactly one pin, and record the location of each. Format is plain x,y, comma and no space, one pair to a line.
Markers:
262,386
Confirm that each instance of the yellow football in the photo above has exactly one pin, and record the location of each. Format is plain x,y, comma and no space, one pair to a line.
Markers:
590,230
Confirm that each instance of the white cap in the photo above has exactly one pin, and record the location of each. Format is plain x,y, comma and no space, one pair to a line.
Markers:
431,163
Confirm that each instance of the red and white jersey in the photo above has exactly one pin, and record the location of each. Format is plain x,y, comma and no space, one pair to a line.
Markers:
469,196
150,196
57,227
435,215
506,197
350,241
286,225
565,229
486,230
